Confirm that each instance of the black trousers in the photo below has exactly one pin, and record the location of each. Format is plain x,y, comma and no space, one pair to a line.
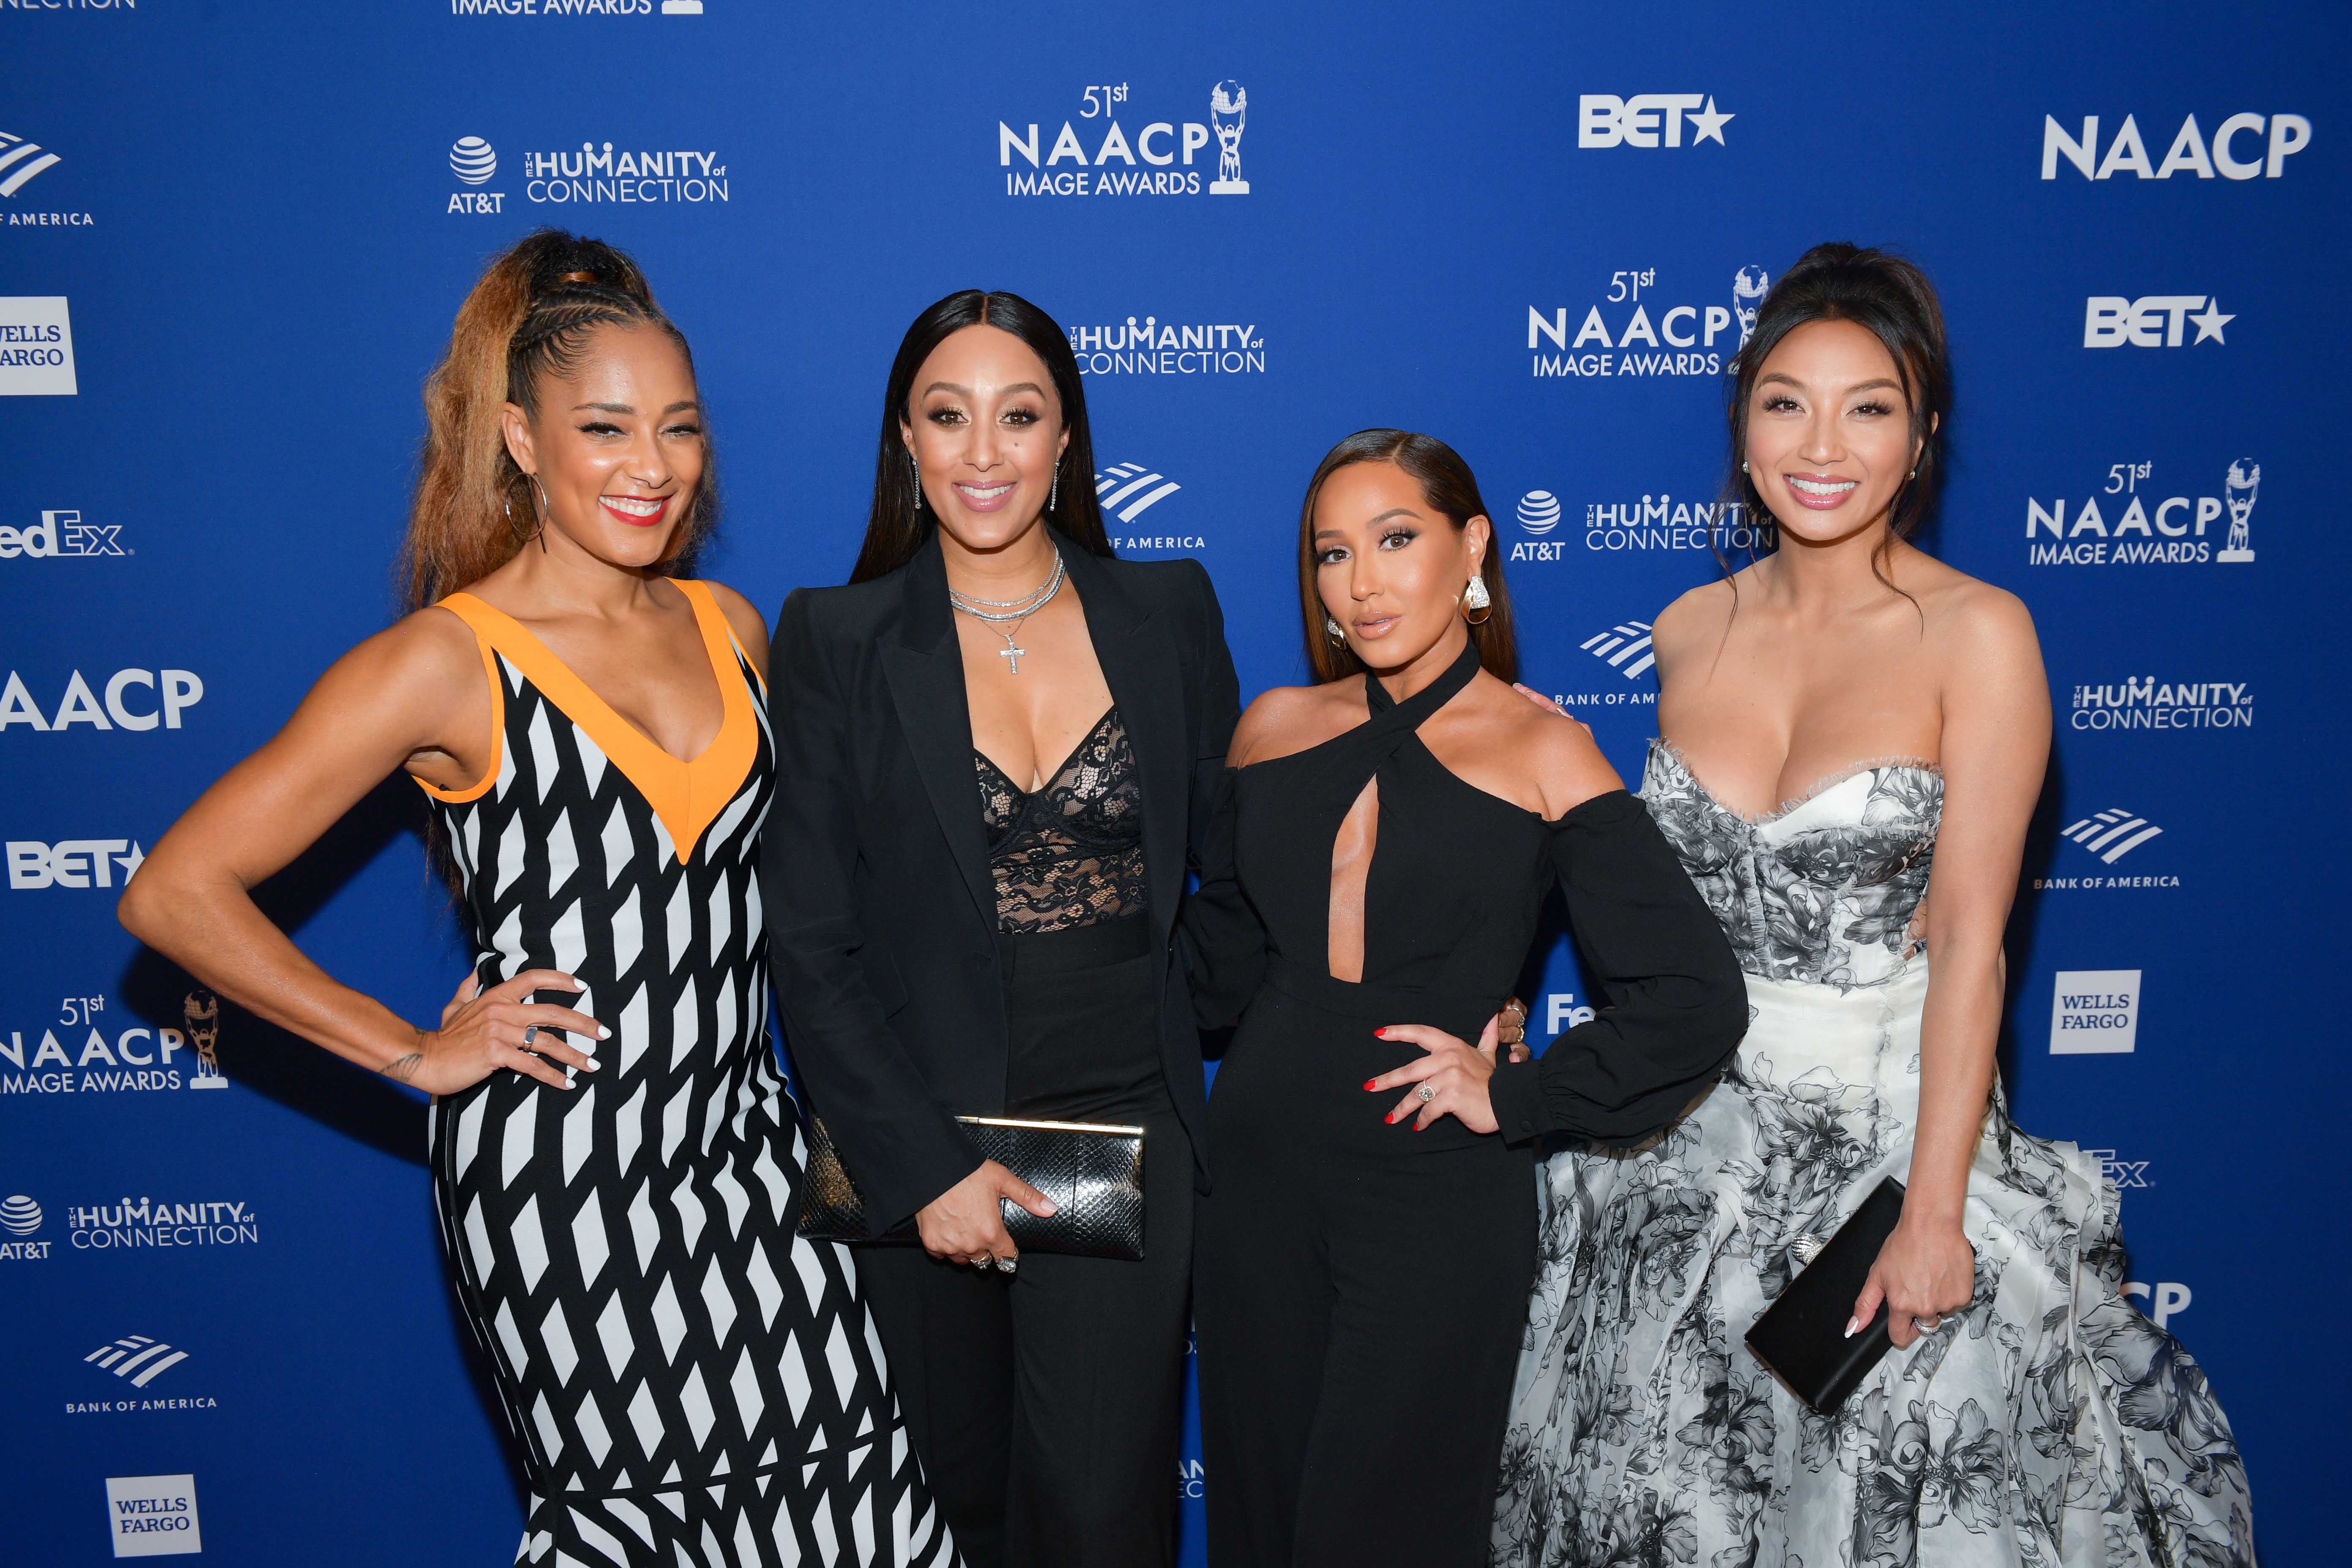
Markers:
1362,1295
1045,1405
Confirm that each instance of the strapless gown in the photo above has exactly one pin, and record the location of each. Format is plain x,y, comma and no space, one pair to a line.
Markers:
2049,1423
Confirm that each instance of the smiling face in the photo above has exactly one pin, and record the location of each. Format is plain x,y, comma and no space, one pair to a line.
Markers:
617,447
1829,431
1391,568
986,430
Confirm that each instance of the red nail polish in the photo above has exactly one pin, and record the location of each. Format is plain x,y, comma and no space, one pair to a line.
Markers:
1368,1086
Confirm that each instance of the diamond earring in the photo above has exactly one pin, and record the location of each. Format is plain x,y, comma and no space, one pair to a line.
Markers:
1054,496
1332,629
916,468
1474,596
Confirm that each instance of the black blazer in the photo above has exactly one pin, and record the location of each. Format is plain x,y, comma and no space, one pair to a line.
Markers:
881,909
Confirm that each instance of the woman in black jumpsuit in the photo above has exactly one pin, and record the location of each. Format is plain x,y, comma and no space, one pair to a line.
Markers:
1362,1284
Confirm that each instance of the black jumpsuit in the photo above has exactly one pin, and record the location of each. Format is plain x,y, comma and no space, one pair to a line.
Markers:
1361,1288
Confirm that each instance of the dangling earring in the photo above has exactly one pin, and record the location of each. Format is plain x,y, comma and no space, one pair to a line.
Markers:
1475,597
1743,465
1054,496
917,469
1332,629
541,533
523,539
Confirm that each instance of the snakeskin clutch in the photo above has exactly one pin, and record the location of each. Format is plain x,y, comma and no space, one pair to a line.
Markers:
1094,1174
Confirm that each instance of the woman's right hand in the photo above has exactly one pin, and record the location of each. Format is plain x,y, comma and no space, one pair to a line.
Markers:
966,1223
482,1031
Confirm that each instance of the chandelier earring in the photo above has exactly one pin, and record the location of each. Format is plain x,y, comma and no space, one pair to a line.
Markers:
1332,629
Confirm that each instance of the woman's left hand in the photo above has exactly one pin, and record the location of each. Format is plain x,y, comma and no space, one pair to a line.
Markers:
1925,1269
1451,1081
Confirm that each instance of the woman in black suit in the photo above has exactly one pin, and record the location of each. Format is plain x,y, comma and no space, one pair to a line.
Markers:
995,749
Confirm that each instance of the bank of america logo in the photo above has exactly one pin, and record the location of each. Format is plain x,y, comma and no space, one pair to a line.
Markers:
1120,482
2112,835
138,1358
473,160
20,1215
1626,648
1539,511
19,161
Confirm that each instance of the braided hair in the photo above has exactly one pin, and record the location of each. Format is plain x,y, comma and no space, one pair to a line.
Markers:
530,317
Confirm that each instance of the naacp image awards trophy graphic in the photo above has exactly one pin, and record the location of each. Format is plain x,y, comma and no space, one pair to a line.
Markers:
1228,111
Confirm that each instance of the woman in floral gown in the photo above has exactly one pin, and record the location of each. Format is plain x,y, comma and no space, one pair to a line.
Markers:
1854,737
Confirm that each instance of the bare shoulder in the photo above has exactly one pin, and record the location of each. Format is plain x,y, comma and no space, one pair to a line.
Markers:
427,646
1970,620
1559,751
750,627
1289,719
1699,614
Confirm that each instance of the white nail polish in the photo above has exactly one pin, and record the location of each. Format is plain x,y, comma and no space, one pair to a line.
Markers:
602,1033
1853,1327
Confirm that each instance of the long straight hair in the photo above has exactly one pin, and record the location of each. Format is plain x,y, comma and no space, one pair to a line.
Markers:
1450,489
897,526
1890,298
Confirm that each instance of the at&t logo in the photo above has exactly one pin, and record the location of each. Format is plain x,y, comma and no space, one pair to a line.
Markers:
2127,154
21,1217
1647,120
1104,161
2148,530
62,533
475,162
2151,320
1678,340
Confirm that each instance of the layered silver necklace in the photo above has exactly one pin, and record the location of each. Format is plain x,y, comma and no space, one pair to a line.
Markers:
1003,617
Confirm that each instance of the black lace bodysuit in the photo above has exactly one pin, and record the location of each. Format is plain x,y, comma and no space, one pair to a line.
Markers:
1071,854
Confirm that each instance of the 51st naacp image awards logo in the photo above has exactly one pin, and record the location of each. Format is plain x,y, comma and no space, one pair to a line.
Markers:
2176,530
1658,335
37,357
1161,158
2275,139
108,1060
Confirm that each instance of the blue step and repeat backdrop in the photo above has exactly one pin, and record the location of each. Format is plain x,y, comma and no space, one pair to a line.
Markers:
232,237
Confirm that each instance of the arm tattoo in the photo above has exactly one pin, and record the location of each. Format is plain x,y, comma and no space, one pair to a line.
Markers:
405,1067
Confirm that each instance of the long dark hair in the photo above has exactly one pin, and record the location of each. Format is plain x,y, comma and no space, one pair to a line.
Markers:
1448,487
528,317
1888,298
897,527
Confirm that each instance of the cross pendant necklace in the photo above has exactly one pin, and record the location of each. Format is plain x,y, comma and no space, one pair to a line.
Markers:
1011,650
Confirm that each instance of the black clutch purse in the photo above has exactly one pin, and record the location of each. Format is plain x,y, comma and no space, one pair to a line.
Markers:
1802,1337
1093,1171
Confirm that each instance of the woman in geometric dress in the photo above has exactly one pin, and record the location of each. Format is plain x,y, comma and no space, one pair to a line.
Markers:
1898,712
615,1161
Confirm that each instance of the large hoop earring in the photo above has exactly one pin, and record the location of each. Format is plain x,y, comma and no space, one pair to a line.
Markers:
523,539
1475,597
916,467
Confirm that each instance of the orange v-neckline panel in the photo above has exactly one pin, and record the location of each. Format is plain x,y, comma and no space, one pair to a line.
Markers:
686,796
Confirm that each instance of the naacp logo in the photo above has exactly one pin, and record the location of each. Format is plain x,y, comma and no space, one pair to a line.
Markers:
1145,346
37,357
598,174
1538,512
1647,120
162,698
62,533
2151,320
1679,340
133,1060
2167,1298
1157,159
2286,135
2147,530
2144,702
2094,1012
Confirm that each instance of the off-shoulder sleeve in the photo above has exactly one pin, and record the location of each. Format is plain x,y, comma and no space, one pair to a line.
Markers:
1219,934
1676,1004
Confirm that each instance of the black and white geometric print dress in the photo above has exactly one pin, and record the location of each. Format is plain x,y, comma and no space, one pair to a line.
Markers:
2046,1424
690,1381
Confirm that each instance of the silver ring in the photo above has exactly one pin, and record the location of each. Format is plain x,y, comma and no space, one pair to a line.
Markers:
530,1033
1425,1094
1927,1325
1007,1264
